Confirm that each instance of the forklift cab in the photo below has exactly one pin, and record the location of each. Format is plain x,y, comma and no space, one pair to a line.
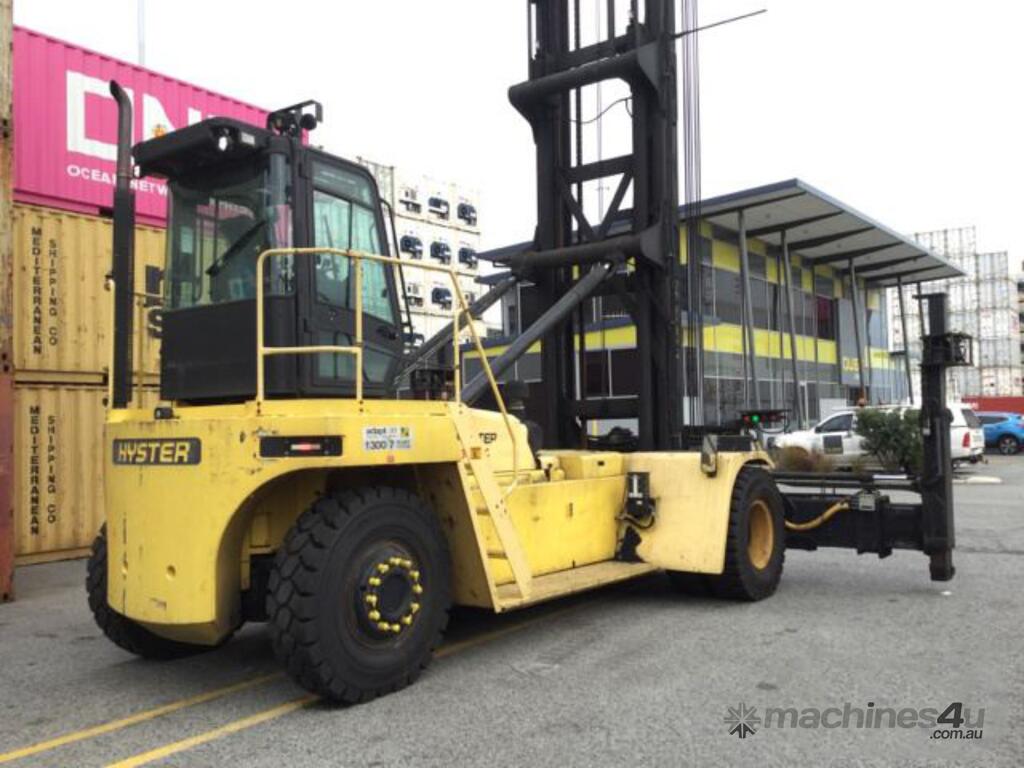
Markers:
236,190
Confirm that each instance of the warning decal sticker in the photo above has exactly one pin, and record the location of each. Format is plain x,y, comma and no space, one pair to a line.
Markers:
387,439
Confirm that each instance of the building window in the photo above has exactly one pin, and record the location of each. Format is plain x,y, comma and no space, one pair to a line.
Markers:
467,256
824,286
826,318
513,320
598,382
728,296
625,372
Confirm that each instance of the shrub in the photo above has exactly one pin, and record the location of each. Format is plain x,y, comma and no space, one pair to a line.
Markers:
892,437
794,459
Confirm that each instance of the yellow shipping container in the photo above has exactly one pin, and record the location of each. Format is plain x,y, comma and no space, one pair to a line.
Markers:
62,326
58,469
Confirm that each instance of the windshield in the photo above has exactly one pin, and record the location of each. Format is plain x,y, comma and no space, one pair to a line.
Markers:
219,225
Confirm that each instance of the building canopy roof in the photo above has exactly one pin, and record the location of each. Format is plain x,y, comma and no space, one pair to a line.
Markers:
825,231
819,228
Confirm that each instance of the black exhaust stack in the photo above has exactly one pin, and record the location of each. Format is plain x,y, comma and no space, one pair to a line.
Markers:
123,267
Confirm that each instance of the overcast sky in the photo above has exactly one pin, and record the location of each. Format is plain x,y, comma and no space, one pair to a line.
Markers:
908,110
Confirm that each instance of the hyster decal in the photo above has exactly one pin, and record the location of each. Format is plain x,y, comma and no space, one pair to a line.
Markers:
164,452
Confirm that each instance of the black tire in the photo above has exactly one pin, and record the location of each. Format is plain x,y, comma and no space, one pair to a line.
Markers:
323,625
753,573
1008,445
121,630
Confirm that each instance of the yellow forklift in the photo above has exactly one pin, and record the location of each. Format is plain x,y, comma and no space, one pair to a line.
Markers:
308,468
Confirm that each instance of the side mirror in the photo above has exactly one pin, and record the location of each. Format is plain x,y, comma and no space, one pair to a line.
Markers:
709,455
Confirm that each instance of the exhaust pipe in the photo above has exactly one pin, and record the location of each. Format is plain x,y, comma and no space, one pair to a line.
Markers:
123,266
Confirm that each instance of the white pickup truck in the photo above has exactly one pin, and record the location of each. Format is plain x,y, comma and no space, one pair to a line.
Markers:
836,436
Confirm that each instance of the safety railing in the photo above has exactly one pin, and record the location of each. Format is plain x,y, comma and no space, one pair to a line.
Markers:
460,309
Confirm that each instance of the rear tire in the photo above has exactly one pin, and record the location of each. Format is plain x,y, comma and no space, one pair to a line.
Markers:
1008,445
119,629
359,594
755,547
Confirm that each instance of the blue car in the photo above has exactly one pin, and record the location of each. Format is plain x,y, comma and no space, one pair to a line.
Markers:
1003,431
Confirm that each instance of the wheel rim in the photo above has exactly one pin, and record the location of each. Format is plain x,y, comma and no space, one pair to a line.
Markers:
761,537
1007,446
388,592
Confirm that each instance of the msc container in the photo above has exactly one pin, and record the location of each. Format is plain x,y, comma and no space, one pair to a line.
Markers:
62,326
58,469
6,487
6,382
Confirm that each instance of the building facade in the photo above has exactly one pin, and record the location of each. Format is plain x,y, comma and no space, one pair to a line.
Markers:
438,222
983,303
841,263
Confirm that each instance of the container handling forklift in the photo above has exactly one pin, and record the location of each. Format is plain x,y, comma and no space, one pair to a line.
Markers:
307,469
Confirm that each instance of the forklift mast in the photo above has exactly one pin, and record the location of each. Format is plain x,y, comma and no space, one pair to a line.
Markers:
634,253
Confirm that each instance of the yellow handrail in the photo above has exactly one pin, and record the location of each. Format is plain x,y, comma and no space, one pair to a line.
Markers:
459,307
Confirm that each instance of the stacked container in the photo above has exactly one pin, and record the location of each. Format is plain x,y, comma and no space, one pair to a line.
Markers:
57,344
983,303
6,300
435,222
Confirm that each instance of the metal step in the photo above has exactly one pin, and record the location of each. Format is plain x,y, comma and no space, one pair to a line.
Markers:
568,582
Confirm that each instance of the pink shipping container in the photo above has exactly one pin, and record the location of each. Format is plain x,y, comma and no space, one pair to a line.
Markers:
65,123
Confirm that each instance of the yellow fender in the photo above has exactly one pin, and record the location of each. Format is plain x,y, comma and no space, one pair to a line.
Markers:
692,509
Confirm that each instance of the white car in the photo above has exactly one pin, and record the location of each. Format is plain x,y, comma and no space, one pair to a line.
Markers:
836,436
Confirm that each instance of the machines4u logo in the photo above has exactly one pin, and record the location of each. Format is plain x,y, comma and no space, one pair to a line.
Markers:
952,722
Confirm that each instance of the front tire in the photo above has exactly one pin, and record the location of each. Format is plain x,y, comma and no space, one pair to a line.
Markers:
756,543
119,629
1008,445
359,594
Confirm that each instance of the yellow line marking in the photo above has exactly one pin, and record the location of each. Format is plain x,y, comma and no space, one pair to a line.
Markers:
283,709
149,714
194,741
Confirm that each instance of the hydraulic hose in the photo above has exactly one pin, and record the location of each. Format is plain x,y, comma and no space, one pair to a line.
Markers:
824,517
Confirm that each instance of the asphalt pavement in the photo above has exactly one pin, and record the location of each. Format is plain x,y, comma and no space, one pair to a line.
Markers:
629,675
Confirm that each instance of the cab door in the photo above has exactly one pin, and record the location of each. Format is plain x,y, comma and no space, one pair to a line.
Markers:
343,212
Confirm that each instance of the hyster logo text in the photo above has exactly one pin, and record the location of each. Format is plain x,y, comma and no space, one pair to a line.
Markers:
172,452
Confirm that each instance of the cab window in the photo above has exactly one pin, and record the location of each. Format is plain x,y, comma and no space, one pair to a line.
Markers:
344,217
842,422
